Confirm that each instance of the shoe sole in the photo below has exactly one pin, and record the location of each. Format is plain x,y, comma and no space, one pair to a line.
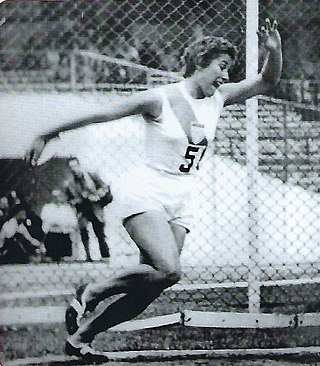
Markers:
71,317
70,350
74,312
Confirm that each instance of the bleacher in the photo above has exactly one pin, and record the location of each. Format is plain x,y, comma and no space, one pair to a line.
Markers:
31,80
288,144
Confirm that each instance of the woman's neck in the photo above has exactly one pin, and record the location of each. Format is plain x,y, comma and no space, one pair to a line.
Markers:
193,89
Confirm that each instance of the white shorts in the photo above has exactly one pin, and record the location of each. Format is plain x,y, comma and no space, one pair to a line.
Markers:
144,189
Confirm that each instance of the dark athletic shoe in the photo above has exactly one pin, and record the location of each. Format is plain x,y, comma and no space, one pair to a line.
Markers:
75,311
84,351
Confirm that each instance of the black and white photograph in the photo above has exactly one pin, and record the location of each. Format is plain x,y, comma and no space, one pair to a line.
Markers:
159,182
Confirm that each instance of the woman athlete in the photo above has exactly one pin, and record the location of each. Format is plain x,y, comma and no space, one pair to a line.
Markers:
180,120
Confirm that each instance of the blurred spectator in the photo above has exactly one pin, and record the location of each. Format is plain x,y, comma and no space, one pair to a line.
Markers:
59,226
53,60
149,56
65,40
88,194
4,210
16,243
63,71
8,206
85,66
34,55
64,45
117,72
124,48
131,54
169,59
120,47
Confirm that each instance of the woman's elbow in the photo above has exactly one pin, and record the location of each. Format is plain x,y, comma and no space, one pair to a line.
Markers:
269,84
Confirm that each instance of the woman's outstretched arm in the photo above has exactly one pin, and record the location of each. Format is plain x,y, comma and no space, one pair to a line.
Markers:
269,75
138,103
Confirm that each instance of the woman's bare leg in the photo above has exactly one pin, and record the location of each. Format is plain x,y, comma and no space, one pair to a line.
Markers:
156,240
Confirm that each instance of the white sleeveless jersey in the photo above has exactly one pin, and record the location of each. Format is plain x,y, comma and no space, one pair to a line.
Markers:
176,141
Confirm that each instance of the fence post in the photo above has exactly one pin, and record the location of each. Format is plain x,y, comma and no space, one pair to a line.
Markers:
252,150
73,76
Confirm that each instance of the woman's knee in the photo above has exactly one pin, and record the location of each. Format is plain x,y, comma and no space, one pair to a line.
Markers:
168,272
171,276
156,242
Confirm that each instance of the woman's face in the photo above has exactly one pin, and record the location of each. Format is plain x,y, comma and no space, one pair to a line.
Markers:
217,73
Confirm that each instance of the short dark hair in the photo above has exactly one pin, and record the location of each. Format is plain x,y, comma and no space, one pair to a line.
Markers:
202,51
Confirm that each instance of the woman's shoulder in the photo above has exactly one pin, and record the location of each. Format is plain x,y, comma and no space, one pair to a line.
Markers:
171,90
153,98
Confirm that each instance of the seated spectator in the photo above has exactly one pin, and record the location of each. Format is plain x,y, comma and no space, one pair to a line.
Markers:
16,243
8,205
4,210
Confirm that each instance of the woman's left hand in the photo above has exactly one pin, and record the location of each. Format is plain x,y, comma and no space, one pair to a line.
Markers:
270,36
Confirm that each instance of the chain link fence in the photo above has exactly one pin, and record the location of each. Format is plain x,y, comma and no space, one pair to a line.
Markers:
62,59
299,26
